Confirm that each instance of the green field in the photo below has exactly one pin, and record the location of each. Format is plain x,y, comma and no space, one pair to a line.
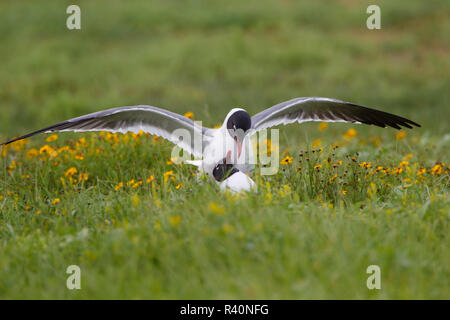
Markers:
141,227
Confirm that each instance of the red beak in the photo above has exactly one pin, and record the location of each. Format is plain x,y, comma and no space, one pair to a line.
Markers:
239,145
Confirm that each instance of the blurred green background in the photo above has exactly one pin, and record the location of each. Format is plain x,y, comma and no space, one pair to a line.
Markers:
209,56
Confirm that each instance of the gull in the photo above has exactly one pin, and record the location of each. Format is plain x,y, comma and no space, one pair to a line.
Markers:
229,177
219,148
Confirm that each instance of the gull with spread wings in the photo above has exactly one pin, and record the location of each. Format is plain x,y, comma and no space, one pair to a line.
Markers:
219,146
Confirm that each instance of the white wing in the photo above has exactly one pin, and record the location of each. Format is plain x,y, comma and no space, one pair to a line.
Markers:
325,109
149,119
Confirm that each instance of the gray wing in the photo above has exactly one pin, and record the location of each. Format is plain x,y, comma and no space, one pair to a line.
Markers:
149,119
327,110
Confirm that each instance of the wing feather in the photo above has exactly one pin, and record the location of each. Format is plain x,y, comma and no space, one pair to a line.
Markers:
149,119
327,110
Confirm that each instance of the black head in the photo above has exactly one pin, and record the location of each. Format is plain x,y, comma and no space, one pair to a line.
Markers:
223,171
239,121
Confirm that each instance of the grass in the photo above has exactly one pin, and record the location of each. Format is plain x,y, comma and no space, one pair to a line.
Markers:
307,233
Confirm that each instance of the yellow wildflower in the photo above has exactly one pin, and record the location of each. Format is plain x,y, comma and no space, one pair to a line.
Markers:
70,172
403,164
400,135
38,212
18,145
150,179
287,160
118,186
322,126
350,134
84,176
437,169
167,174
408,156
52,138
421,171
316,143
32,153
137,184
47,149
57,200
189,115
79,157
333,178
179,186
317,166
365,165
344,192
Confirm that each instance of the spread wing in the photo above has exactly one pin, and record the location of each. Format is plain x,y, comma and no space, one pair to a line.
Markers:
153,120
327,110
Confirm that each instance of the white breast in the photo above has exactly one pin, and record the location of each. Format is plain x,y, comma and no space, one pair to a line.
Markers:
238,182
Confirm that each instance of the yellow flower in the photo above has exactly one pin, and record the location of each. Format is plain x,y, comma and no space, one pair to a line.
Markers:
217,209
421,171
137,184
437,169
150,179
52,138
118,186
172,160
18,145
317,166
175,220
287,188
70,172
47,149
12,166
400,135
167,174
32,153
333,178
4,151
365,165
322,126
79,157
287,160
84,176
403,164
344,192
337,164
189,115
350,134
28,208
408,156
316,143
179,186
38,212
57,200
